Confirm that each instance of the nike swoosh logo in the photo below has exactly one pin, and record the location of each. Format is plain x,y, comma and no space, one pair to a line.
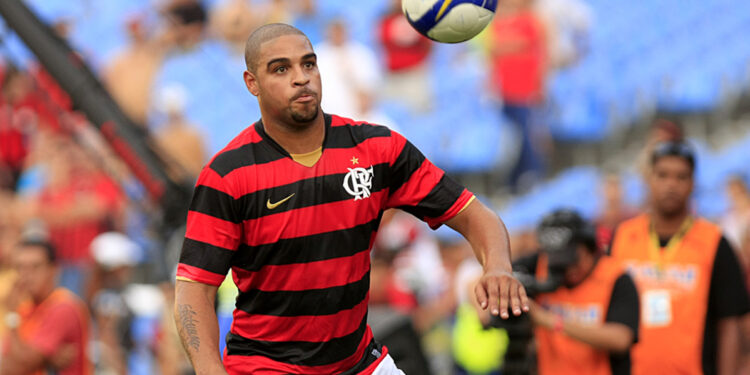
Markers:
443,8
271,206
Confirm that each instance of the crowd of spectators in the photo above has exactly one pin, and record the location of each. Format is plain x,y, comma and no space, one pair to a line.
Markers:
61,185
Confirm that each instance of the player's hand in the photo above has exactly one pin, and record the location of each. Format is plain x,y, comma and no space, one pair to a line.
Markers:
498,291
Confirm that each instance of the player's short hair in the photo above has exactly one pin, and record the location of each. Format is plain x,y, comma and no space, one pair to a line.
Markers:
670,148
262,35
38,243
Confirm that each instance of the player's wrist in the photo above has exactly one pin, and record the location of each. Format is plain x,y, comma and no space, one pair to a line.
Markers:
497,266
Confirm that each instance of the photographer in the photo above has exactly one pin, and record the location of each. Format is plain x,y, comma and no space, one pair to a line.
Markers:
586,312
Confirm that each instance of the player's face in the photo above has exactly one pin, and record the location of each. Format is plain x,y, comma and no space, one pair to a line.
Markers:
287,80
671,183
36,275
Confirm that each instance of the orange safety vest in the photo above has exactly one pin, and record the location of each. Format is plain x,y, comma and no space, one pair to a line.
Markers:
585,303
673,284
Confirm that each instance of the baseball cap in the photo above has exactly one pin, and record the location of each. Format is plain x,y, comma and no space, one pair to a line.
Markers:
113,249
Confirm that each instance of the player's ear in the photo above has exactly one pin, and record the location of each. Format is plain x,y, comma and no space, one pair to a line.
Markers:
251,82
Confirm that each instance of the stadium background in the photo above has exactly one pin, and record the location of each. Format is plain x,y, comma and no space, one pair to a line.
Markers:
631,63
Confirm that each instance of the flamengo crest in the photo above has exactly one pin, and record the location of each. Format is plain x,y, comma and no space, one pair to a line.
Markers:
358,182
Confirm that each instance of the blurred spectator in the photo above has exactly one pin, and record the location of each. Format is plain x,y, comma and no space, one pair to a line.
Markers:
13,148
407,52
390,316
347,68
371,113
736,222
187,23
77,203
9,238
689,279
613,212
181,140
389,290
129,76
190,65
662,130
590,321
115,255
20,109
518,53
233,21
31,104
417,258
277,11
308,19
569,23
49,330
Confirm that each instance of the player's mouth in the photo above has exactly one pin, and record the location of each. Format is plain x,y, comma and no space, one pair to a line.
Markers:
304,97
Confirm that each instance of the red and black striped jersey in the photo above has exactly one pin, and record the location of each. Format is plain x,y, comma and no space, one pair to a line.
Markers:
298,238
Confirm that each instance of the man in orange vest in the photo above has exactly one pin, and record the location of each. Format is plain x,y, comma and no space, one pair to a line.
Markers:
589,322
690,282
48,332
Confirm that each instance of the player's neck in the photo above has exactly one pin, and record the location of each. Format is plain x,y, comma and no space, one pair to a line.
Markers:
666,225
296,139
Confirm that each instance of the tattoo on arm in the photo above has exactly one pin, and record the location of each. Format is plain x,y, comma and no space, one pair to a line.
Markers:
188,327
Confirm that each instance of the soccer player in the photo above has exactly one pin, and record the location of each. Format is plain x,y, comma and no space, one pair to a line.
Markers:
690,283
292,206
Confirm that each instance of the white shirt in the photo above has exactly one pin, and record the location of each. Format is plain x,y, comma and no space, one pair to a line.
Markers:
344,71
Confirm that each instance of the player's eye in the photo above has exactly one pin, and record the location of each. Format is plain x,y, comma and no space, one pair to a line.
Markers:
280,69
309,65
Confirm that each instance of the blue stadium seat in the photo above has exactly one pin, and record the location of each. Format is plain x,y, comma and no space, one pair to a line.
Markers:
693,90
580,118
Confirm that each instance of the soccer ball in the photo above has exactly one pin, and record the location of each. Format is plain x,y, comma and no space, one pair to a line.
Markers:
449,21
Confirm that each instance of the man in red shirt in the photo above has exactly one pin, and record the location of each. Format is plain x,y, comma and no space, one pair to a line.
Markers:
518,61
406,55
78,203
49,331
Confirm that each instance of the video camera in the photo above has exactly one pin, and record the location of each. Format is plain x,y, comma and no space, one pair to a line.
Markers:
559,235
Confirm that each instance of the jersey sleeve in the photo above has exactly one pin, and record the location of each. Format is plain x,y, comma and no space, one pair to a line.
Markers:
213,232
419,187
728,295
624,306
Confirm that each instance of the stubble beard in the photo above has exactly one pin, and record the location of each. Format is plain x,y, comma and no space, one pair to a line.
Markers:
305,116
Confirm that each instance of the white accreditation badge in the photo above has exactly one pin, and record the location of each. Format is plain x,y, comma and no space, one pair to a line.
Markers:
656,306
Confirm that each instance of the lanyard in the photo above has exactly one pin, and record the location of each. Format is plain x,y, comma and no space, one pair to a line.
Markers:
660,256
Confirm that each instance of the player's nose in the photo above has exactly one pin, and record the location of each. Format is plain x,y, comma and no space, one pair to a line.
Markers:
300,77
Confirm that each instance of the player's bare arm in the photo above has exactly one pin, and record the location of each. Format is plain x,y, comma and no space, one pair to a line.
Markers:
198,326
497,289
